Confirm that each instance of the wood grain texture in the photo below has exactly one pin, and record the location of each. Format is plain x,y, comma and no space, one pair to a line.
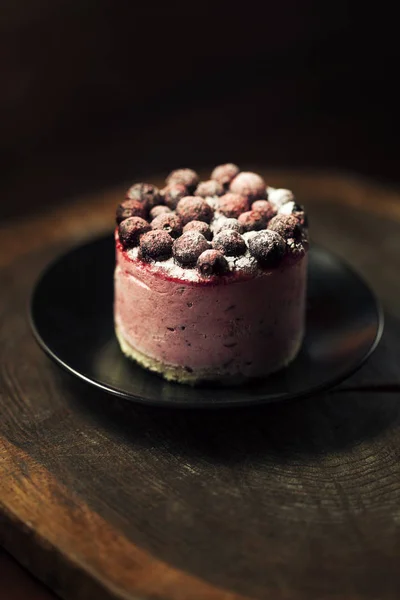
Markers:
104,499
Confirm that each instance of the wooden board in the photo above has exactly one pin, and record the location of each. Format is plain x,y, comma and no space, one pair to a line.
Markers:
102,499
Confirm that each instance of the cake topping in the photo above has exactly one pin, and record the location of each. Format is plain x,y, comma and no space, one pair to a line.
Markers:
252,220
268,247
146,193
188,247
172,193
209,188
169,222
130,230
227,223
130,208
199,226
159,210
212,262
286,225
229,242
279,196
194,208
292,208
233,205
295,249
225,173
185,177
249,184
265,208
155,245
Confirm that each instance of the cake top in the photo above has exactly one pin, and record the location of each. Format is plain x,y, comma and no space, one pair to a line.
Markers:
232,222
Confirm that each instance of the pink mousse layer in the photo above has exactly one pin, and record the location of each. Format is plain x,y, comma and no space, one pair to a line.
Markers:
228,326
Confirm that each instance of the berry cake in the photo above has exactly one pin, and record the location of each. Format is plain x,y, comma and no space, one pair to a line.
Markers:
210,276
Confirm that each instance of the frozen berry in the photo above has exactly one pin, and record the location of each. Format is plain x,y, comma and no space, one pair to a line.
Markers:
212,262
159,210
146,193
130,230
156,245
250,185
194,208
225,173
265,208
185,177
268,247
292,208
286,225
188,247
130,208
252,220
279,196
227,223
229,242
209,188
170,223
295,249
232,205
172,193
199,226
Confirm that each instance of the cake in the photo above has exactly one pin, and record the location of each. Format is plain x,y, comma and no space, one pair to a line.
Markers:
210,277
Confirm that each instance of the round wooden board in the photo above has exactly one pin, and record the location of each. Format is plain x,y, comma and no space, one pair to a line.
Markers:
104,499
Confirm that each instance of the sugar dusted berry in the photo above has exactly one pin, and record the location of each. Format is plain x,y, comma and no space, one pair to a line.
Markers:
212,262
265,208
186,177
172,193
155,245
169,222
194,208
268,247
286,225
159,210
188,247
225,173
249,184
146,193
252,220
279,196
130,208
232,205
295,209
199,226
227,223
230,243
130,230
209,188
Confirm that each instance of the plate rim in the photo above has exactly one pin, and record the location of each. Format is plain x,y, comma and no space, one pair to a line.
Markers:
284,397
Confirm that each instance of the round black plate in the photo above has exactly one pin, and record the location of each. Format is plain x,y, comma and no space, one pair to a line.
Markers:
72,319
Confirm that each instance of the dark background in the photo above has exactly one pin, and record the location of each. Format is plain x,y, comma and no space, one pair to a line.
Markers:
95,93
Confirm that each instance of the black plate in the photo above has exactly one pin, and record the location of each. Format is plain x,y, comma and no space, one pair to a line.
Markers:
72,319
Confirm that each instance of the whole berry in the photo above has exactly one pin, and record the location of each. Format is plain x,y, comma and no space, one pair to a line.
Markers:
233,205
268,247
252,220
169,222
172,193
130,208
295,209
188,247
286,225
186,177
249,184
199,226
227,223
225,173
209,188
146,193
212,262
265,208
194,208
279,196
130,230
230,243
155,245
159,210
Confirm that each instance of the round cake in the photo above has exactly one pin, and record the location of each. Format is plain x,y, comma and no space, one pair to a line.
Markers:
210,277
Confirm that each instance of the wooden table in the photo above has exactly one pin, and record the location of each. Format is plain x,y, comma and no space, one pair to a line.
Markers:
103,499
